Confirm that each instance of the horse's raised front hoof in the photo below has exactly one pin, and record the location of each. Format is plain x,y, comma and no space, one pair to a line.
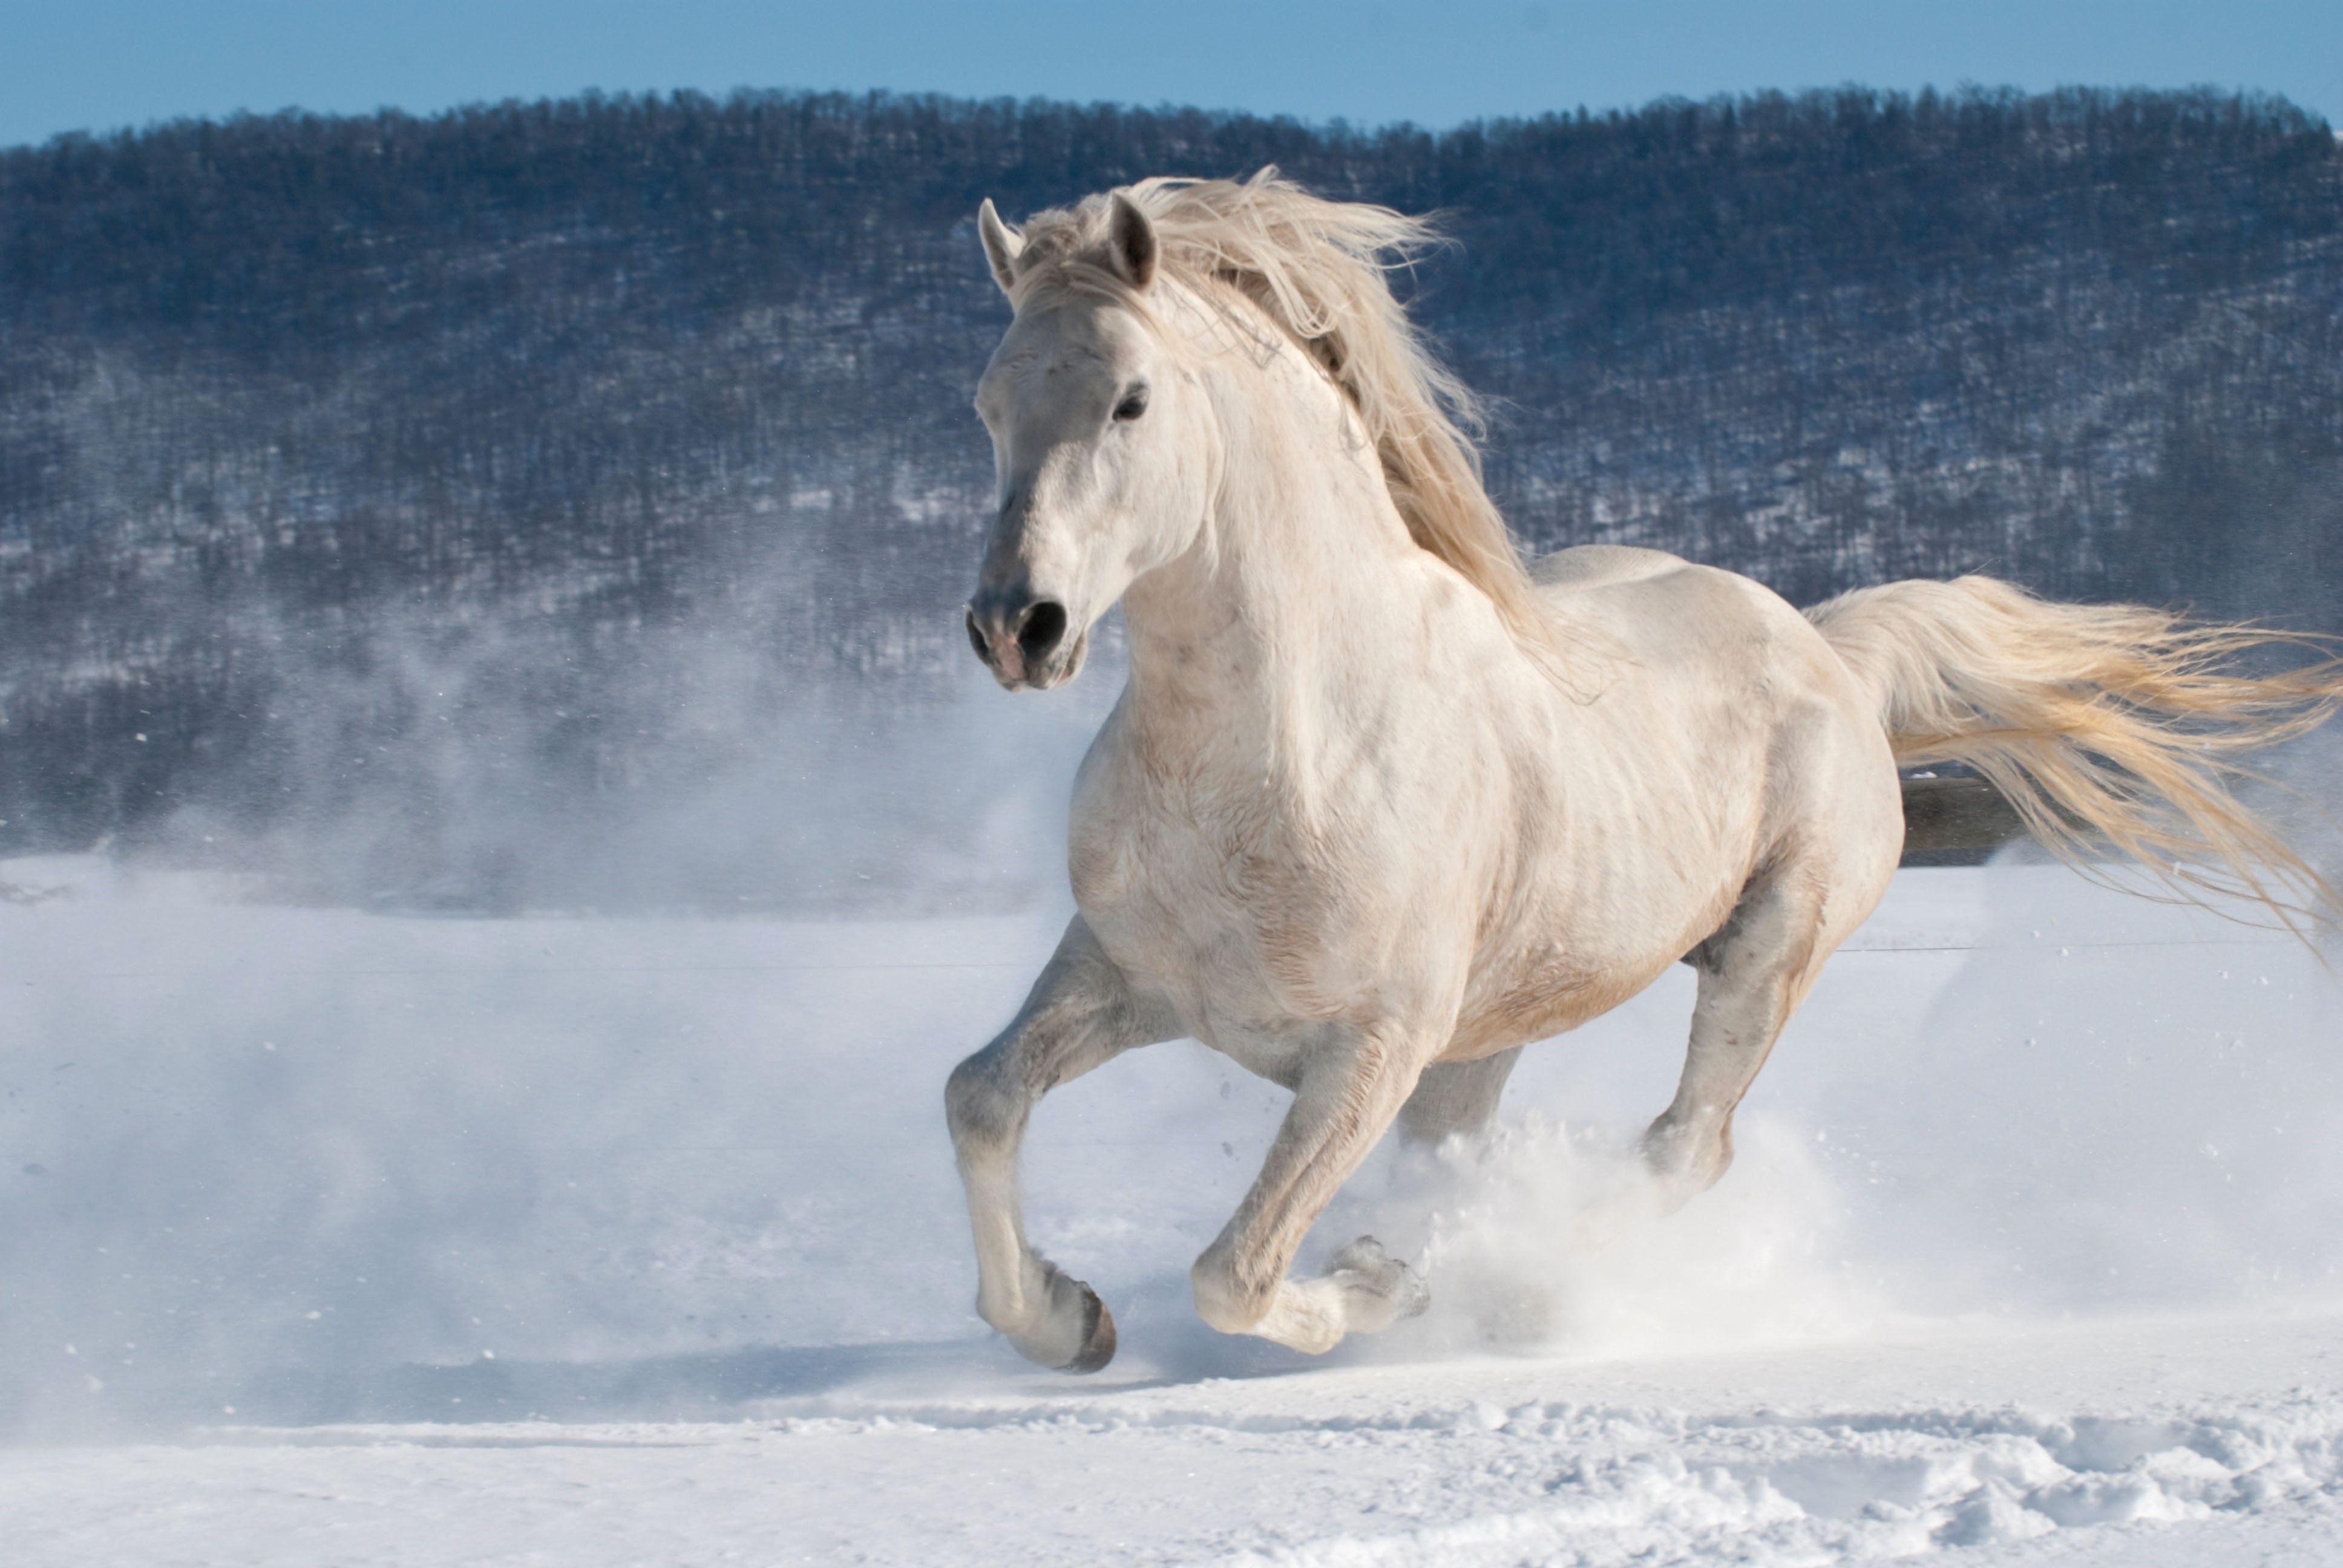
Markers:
1078,1333
1380,1289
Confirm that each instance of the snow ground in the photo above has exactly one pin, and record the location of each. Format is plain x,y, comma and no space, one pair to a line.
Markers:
338,1239
2117,1444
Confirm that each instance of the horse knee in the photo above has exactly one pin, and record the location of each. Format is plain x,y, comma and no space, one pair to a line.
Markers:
977,1106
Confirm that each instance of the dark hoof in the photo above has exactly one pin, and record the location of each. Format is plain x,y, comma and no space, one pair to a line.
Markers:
1075,1333
1098,1336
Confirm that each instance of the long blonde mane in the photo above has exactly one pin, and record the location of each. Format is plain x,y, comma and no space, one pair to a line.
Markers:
1318,270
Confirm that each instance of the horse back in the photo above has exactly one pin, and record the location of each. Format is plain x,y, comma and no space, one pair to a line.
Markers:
1727,738
1671,620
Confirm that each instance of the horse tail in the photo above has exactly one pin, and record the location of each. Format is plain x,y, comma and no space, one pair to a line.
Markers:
2101,724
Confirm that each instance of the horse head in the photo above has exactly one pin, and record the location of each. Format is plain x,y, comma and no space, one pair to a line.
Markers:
1098,443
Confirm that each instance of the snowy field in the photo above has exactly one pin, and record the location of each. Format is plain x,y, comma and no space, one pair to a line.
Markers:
334,1239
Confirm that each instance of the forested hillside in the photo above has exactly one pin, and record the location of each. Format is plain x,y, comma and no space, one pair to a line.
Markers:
527,463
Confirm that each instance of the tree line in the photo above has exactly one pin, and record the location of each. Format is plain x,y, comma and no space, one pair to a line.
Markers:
587,398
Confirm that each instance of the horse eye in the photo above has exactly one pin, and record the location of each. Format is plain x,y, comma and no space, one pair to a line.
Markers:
1133,403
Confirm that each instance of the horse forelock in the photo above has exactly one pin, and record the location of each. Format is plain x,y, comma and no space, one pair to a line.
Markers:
1319,271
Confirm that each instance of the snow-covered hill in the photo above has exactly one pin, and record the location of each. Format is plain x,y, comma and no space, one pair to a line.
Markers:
449,486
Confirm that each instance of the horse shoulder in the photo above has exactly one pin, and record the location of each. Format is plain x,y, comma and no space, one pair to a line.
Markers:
1104,829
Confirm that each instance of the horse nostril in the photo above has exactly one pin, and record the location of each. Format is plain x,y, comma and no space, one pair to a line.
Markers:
976,640
1043,625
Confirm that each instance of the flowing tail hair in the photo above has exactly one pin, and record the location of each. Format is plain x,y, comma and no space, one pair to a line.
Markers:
2116,724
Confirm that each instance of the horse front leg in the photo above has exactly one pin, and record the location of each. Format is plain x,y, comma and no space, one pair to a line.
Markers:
1080,1013
1350,1091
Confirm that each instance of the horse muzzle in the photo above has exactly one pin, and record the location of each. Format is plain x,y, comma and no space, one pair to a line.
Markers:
1024,641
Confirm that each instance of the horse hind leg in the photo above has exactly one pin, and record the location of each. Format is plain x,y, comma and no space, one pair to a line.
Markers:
1754,973
1456,1099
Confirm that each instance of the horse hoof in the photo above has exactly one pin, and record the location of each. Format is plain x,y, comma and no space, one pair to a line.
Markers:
1074,1332
1410,1295
1098,1336
1364,1266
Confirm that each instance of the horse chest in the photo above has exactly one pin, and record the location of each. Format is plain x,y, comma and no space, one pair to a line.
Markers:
1224,903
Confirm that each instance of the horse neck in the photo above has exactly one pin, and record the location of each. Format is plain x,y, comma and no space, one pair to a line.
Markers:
1299,578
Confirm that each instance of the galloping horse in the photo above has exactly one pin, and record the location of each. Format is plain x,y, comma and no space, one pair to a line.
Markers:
1378,805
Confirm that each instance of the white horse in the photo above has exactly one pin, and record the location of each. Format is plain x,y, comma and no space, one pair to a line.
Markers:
1378,806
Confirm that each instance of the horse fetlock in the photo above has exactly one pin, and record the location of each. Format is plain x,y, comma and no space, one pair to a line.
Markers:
1378,1289
1688,1157
1365,1289
1067,1329
1224,1300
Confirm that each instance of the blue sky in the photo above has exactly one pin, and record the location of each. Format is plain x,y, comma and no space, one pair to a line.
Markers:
74,64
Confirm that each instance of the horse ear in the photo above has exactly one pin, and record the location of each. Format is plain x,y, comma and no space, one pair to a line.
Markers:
1001,244
1131,242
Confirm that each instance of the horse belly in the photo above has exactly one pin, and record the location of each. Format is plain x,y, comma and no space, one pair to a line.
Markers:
1540,998
1643,868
